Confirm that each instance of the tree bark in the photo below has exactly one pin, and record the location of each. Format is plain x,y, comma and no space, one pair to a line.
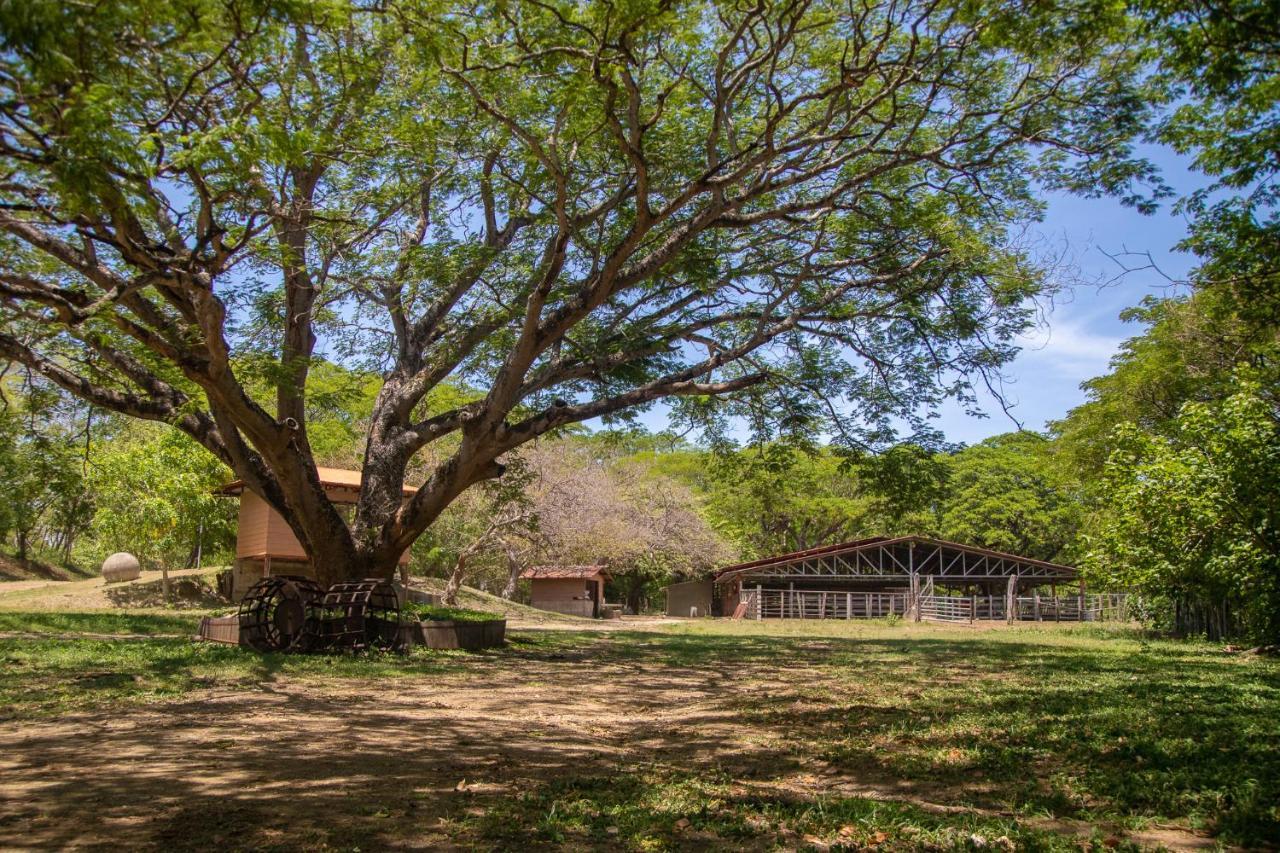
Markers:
513,575
450,595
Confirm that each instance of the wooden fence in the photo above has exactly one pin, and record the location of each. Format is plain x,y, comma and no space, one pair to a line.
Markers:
832,604
1071,608
808,604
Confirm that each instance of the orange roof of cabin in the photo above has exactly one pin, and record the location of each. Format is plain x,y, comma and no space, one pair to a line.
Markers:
330,478
564,572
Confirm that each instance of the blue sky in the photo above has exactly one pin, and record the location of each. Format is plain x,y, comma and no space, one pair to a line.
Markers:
1081,328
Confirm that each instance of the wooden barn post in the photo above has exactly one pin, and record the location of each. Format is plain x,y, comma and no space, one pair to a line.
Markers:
915,579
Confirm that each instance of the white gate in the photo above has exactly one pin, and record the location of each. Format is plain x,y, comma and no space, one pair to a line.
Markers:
946,608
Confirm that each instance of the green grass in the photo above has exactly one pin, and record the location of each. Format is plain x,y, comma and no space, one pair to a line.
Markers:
99,622
653,809
436,612
1092,724
1088,722
47,676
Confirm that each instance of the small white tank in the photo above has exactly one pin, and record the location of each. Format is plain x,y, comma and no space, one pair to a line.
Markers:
121,566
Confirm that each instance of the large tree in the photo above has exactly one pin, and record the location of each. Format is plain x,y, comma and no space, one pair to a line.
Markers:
799,207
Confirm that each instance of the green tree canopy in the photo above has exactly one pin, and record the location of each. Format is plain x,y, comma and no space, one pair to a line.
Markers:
1195,516
153,496
1009,493
783,210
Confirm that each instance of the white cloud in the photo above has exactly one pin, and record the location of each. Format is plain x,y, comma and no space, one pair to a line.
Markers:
1067,348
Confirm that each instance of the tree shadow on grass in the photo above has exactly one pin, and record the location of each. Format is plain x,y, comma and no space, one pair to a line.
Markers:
558,738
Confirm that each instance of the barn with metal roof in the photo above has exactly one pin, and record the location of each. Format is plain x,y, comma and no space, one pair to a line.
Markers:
907,576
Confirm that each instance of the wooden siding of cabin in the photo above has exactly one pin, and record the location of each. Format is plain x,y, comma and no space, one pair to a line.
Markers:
564,595
263,532
253,526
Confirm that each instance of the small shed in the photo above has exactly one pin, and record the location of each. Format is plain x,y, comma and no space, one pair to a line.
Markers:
692,598
574,590
265,544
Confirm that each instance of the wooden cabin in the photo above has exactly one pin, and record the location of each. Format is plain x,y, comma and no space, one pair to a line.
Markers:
265,545
574,590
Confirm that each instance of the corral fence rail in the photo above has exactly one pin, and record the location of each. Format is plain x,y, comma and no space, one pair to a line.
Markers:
836,604
810,604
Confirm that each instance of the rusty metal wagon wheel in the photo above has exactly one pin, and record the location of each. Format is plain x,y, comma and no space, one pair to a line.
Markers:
273,613
358,615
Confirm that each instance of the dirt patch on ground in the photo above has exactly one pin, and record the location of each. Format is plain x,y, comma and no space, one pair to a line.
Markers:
400,763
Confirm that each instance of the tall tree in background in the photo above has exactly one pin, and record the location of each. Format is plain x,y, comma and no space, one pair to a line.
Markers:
154,497
788,209
1176,505
1222,59
777,497
645,526
1010,493
43,456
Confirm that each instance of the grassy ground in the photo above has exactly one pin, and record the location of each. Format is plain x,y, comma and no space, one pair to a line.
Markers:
37,566
192,589
475,599
698,735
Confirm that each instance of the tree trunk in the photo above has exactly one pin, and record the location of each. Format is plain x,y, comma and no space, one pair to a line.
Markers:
513,575
450,596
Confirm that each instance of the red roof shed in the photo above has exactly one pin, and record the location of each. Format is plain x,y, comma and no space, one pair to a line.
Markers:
574,590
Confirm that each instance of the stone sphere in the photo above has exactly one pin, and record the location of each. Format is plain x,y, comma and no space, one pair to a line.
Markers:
121,567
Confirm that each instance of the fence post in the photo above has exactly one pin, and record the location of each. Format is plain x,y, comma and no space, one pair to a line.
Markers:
1037,605
973,607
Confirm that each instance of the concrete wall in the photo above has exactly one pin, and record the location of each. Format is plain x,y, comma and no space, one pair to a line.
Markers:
563,595
682,596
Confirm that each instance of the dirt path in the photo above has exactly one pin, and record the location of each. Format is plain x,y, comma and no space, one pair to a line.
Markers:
396,764
305,764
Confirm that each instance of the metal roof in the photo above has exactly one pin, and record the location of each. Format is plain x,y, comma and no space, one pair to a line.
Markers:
881,556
